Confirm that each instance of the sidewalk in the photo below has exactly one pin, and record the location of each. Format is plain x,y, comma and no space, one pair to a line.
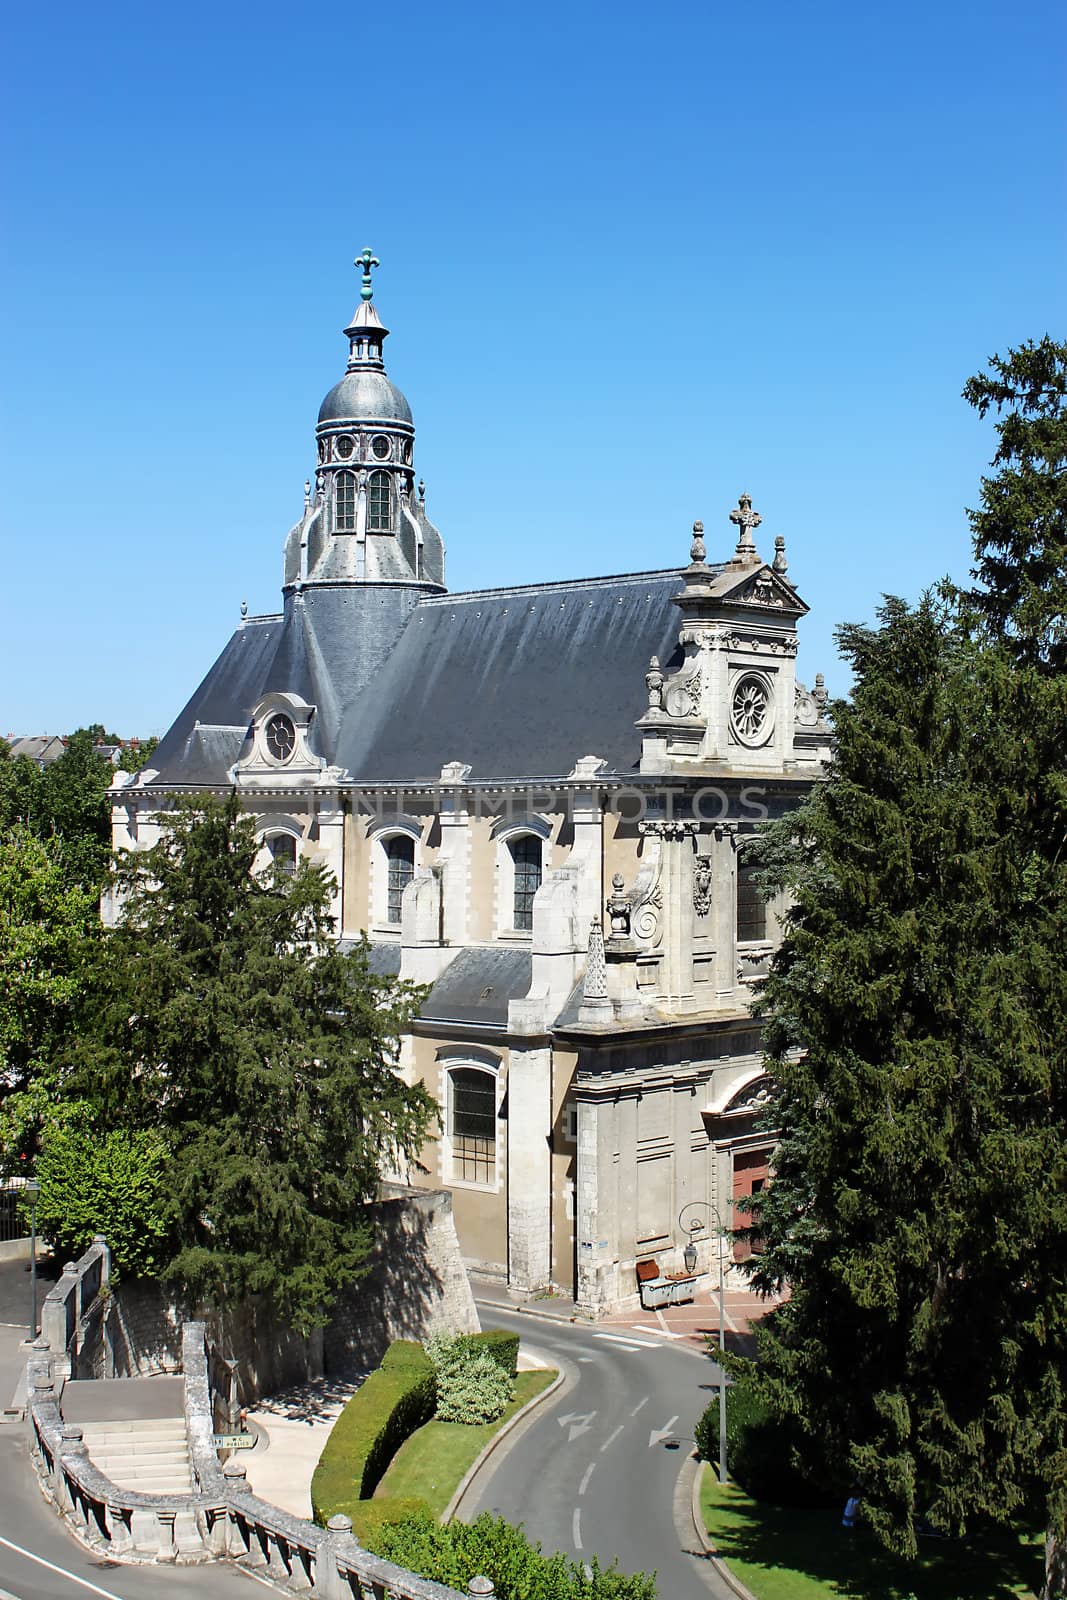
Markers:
694,1322
292,1427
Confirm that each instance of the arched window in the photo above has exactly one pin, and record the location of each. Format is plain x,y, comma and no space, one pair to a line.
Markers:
344,502
379,503
751,907
472,1124
400,869
526,858
282,847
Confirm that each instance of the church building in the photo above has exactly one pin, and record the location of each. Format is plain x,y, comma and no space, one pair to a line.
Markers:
534,801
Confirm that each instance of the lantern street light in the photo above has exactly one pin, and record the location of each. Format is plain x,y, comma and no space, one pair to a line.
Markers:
31,1189
694,1226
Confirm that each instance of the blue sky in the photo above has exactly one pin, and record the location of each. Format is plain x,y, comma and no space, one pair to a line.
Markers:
635,259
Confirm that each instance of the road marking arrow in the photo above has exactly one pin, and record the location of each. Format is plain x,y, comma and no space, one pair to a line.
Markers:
578,1422
658,1435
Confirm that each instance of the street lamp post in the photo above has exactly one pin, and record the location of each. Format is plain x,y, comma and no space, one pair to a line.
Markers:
689,1256
32,1189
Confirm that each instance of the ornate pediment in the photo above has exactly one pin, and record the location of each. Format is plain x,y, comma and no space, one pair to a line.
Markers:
760,587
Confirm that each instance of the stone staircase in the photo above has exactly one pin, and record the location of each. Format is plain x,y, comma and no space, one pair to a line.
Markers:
150,1454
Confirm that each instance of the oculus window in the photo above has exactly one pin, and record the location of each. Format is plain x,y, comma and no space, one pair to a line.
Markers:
280,738
526,862
344,502
380,503
750,710
472,1125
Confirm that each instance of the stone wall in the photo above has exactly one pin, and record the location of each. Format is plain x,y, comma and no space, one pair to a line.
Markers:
416,1285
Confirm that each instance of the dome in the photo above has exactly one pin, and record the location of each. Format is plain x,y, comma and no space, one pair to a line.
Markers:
365,395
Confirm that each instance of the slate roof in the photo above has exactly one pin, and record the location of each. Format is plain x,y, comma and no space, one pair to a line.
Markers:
518,682
477,985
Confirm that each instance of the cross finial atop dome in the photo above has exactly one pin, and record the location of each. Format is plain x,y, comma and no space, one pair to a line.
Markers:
367,260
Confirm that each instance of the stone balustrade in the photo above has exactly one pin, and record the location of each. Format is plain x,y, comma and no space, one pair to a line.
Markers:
221,1520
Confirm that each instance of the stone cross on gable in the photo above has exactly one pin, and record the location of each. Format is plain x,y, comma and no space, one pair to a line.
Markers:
367,260
745,519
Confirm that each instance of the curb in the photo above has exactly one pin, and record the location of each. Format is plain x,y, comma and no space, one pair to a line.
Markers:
733,1583
527,1311
473,1470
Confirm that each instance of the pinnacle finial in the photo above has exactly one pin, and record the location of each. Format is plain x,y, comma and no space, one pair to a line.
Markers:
367,259
244,609
697,550
780,564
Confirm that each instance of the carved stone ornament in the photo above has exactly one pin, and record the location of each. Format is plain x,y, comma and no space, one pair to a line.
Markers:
753,1097
683,696
763,592
805,712
654,685
619,908
702,886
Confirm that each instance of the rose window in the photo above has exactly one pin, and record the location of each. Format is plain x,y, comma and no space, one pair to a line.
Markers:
751,711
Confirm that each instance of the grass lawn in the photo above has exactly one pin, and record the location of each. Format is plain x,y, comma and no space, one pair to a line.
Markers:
807,1555
432,1462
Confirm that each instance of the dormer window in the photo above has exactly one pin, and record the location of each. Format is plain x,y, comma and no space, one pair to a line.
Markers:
380,504
344,502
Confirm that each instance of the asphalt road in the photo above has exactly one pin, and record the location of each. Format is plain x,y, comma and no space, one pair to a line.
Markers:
604,1467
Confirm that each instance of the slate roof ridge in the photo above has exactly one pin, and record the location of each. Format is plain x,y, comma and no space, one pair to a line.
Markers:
554,586
268,616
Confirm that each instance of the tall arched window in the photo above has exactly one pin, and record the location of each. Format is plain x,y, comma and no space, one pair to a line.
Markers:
379,503
472,1124
400,869
751,907
344,502
526,856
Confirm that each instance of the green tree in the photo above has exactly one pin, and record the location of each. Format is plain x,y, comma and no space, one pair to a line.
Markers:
223,1015
112,1181
48,929
915,1033
66,801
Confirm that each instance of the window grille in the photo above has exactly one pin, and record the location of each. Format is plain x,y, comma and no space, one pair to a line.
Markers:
282,847
400,856
751,907
380,503
473,1125
344,502
526,856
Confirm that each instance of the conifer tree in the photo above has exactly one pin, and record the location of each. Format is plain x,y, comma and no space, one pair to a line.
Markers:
224,1016
915,1028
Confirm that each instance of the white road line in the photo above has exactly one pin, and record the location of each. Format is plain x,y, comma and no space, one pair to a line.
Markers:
576,1528
631,1344
586,1475
662,1333
611,1439
93,1588
638,1406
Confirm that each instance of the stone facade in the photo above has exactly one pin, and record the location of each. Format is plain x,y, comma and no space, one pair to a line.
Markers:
536,801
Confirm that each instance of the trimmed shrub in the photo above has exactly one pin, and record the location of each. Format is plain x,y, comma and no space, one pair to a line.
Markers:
395,1400
369,1517
471,1386
502,1346
764,1452
519,1571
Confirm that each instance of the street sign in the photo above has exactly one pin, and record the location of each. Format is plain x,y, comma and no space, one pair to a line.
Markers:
234,1441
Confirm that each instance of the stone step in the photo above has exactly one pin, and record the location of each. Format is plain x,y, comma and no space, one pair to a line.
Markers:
143,1425
155,1483
117,1461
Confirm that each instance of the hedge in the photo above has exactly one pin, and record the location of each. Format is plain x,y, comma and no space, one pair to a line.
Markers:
503,1347
395,1400
765,1454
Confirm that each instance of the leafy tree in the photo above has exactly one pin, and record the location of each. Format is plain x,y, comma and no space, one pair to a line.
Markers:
223,1015
48,927
915,1032
111,1181
65,801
